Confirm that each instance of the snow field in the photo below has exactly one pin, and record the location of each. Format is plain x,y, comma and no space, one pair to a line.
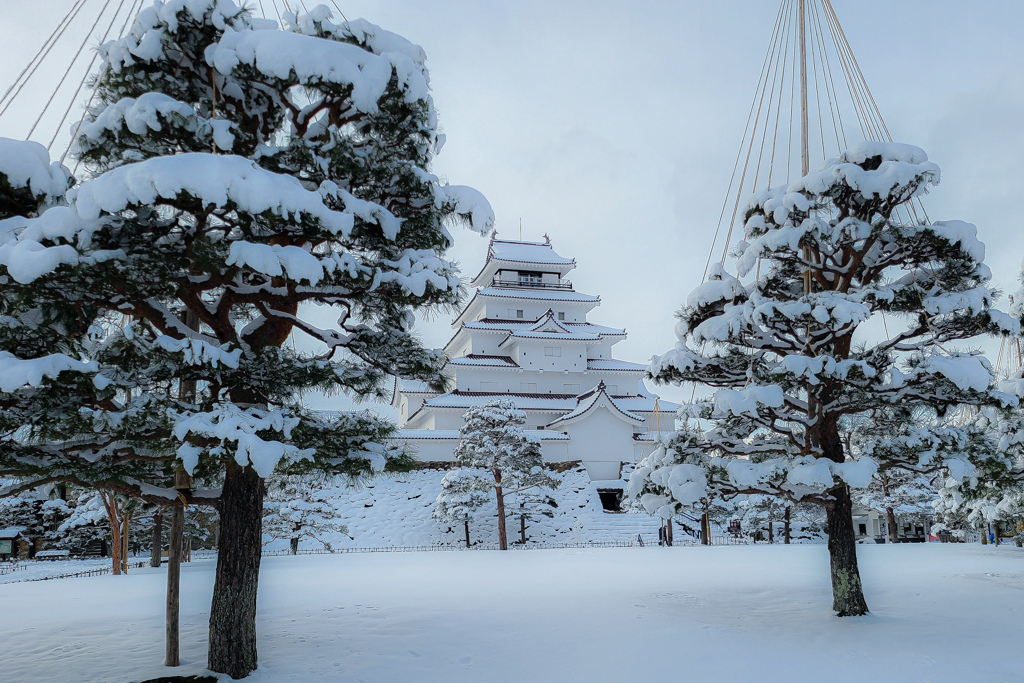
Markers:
940,613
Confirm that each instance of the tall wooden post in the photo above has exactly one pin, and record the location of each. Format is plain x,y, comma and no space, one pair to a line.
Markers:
182,482
466,522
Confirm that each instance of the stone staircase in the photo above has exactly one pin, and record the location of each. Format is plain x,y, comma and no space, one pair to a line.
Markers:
619,526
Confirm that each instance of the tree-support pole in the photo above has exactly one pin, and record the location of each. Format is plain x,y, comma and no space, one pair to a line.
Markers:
502,534
174,584
466,522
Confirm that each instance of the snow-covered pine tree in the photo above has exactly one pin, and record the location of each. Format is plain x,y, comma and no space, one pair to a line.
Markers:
463,491
492,439
242,176
994,492
296,509
896,435
820,260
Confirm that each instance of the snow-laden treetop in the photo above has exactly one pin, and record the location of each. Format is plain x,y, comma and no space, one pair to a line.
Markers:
235,172
841,304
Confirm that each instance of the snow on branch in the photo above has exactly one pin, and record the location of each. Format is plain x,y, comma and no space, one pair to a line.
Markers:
216,181
312,61
26,164
18,373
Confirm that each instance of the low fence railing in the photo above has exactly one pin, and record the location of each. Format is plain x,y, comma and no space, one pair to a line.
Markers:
99,571
715,540
212,554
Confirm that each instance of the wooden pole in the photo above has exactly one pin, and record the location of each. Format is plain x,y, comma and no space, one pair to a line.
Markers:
181,482
125,519
466,522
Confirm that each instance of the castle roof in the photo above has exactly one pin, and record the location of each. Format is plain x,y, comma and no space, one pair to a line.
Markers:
541,253
592,401
510,254
453,434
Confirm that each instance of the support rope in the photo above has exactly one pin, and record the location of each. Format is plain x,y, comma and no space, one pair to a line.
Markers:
74,59
45,53
88,70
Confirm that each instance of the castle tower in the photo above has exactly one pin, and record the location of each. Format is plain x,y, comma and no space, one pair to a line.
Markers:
525,335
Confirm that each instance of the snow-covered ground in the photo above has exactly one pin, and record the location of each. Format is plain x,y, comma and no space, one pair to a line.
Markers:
748,613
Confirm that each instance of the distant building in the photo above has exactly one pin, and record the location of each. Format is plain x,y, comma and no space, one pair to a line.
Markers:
525,335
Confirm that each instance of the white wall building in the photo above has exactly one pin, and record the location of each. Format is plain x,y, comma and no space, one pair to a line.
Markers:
524,335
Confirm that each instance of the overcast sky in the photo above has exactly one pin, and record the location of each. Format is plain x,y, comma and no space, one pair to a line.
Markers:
613,126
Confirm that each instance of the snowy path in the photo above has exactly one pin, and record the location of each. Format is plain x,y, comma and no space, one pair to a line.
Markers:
940,613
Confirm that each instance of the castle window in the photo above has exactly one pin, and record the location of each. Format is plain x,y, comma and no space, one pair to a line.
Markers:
561,315
555,351
528,387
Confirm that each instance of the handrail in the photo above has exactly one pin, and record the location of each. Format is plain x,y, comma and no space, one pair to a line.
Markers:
528,284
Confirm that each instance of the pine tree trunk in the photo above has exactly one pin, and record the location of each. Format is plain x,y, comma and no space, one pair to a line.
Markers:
113,519
502,534
116,548
705,529
171,639
771,531
894,529
787,526
294,546
847,591
522,528
668,533
158,540
466,522
233,612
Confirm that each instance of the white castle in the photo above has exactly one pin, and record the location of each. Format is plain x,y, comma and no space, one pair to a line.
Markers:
525,335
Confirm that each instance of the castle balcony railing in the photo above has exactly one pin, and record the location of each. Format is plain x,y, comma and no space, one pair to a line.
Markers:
531,284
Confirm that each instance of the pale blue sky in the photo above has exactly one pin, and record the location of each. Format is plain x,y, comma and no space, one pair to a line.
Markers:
612,126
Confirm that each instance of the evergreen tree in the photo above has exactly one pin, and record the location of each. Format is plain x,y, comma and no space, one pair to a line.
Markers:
492,440
297,509
463,491
820,260
241,176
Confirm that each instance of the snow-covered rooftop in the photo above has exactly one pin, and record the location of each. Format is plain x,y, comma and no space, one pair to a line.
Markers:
526,252
496,325
596,397
453,434
414,386
11,531
612,365
482,360
552,402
